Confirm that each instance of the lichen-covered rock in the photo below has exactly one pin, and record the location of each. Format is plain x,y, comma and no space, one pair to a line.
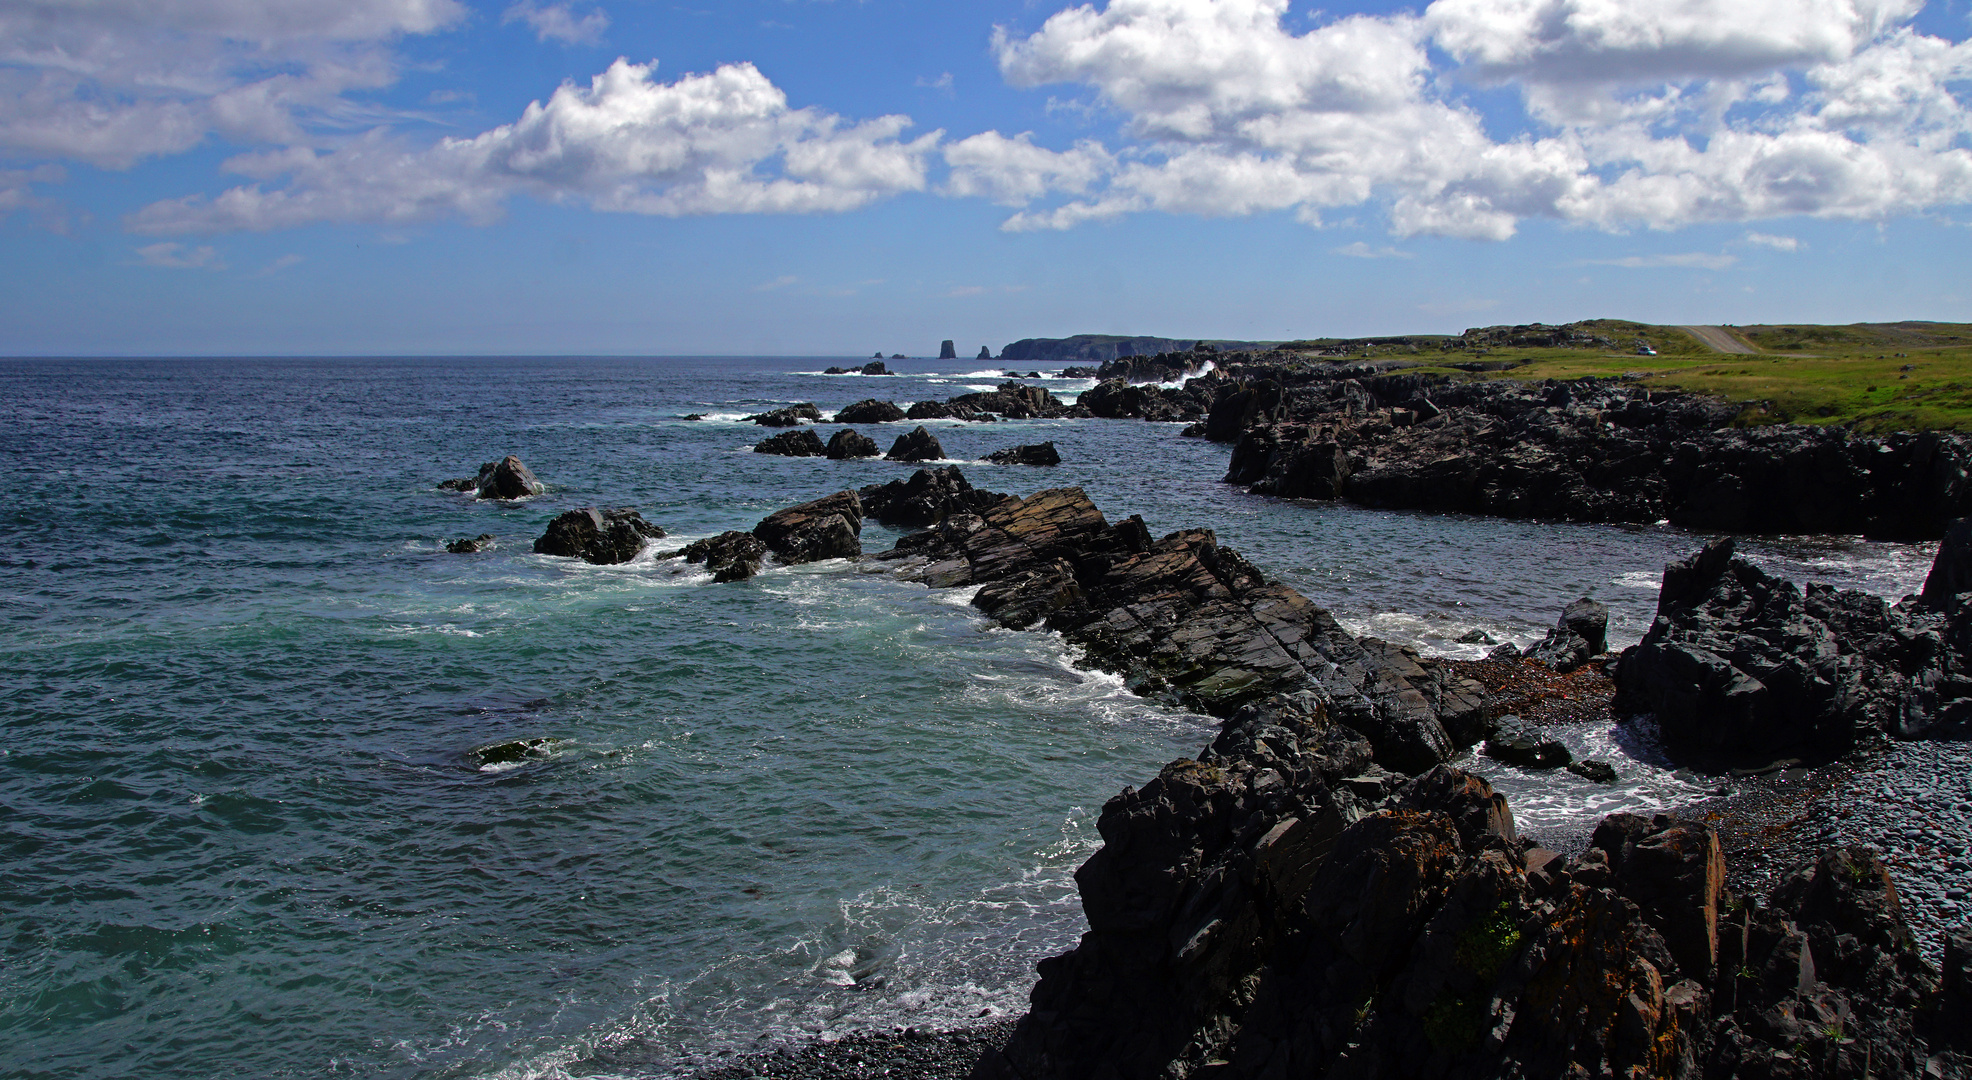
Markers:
916,445
603,537
846,444
829,528
801,443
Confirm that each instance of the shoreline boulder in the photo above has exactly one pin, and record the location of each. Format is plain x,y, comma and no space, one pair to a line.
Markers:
602,537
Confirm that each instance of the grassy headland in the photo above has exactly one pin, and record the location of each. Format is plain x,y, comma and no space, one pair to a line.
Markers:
1908,376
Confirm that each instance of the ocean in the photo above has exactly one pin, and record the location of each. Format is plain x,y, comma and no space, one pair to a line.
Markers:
240,683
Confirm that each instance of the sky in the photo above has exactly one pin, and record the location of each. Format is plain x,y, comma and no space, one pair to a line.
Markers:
837,178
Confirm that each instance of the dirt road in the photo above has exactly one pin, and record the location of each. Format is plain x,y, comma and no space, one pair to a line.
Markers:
1716,337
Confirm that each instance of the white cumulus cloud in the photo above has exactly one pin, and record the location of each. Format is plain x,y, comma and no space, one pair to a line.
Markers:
723,142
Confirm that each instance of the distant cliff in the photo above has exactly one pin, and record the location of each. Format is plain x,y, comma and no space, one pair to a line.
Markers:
1102,348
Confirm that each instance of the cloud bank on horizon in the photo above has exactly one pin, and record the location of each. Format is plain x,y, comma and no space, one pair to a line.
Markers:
1632,113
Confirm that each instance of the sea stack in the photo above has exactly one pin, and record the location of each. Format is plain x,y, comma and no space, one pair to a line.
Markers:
985,352
946,351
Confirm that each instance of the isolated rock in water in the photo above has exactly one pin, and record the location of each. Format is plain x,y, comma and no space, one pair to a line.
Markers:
802,443
1589,769
1743,668
506,478
985,352
731,556
847,444
1014,401
918,445
1517,744
824,529
789,416
470,547
953,410
870,411
1582,632
693,416
603,537
875,367
927,498
946,351
1039,454
836,370
1951,570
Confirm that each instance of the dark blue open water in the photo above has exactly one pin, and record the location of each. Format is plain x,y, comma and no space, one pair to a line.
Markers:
238,683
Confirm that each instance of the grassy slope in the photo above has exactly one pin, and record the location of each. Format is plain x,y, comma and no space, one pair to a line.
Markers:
1829,374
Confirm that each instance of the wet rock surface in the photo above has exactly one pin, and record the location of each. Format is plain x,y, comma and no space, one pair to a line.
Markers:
828,528
916,445
506,478
847,444
1038,454
802,443
870,411
603,537
730,556
789,416
926,497
1184,618
470,546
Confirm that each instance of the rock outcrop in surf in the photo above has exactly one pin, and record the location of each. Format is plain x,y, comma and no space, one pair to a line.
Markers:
506,478
603,537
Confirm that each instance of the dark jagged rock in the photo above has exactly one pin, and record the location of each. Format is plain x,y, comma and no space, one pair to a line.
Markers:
802,443
928,497
1013,401
1116,399
870,411
603,537
1186,618
827,528
946,351
693,416
876,367
985,352
1078,372
1583,632
513,752
1264,912
506,478
837,370
472,546
1951,570
1743,668
916,445
1600,772
1526,747
1590,450
789,416
731,556
846,444
1040,454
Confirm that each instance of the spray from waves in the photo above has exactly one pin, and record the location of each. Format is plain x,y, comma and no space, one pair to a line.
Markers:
1179,382
1437,634
1561,809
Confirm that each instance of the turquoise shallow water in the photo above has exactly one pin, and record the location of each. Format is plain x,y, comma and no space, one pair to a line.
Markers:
238,684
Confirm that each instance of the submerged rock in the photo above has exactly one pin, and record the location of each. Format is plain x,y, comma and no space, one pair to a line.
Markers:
731,556
1038,454
847,444
917,445
802,443
603,537
1600,772
472,546
829,528
1518,744
513,752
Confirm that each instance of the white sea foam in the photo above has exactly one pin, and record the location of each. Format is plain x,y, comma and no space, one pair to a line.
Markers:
1640,579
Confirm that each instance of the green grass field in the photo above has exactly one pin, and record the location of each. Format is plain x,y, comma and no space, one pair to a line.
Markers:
1874,377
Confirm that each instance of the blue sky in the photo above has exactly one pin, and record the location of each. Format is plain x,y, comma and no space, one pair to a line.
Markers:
837,178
